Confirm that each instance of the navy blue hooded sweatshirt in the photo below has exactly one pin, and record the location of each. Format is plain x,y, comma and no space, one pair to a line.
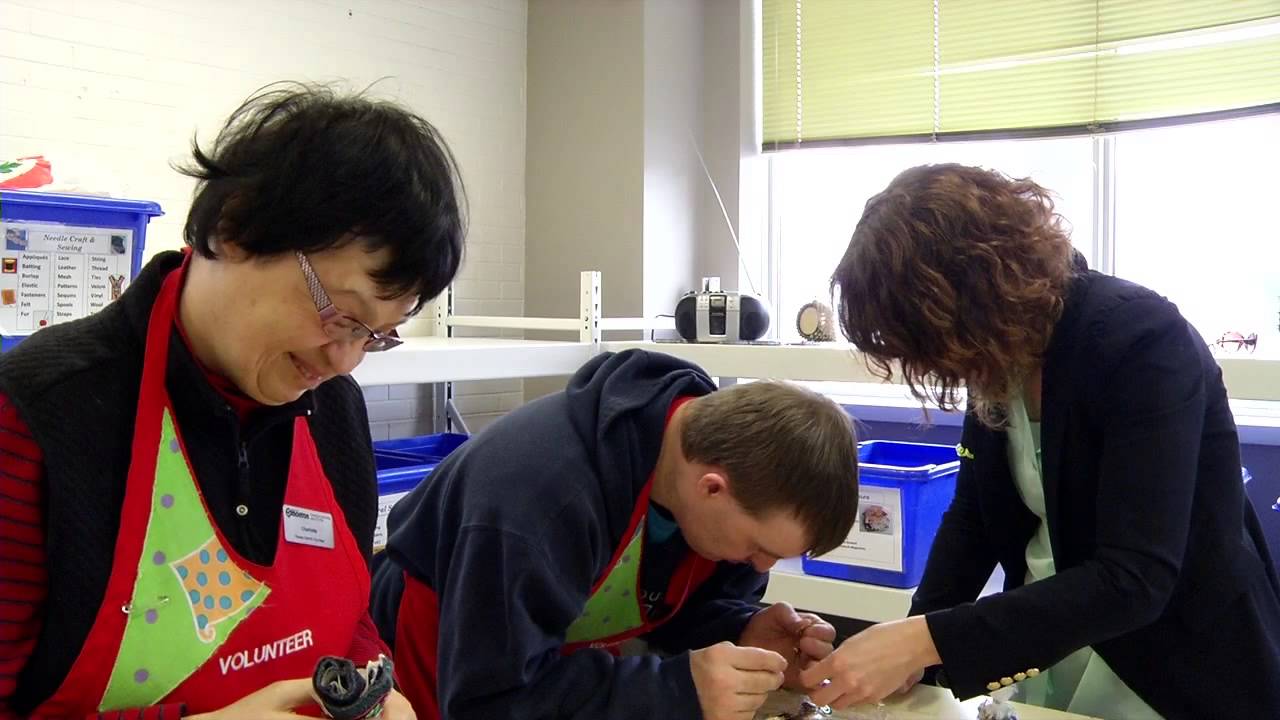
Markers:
513,529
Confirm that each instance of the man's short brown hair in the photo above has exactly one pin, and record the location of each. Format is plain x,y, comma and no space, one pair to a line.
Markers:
784,448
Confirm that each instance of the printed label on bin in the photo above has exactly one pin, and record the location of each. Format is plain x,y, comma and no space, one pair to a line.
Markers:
385,503
876,538
52,273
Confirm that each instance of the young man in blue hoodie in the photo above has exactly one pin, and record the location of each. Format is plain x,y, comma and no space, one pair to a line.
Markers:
639,502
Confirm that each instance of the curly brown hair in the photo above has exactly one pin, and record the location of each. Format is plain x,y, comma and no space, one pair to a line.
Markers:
959,275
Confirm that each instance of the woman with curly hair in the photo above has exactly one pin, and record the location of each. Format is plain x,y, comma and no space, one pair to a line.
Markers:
1100,466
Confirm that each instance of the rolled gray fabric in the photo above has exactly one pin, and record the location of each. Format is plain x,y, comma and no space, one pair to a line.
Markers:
346,693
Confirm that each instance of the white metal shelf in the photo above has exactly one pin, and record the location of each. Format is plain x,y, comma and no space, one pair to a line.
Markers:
1253,383
438,358
1247,378
456,359
446,359
837,362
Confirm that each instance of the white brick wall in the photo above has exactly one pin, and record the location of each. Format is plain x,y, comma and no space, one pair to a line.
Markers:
111,92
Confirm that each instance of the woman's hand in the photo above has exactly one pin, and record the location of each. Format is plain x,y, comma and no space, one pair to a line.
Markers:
277,701
397,707
273,702
872,665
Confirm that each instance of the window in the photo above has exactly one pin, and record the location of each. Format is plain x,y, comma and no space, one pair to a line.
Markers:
1195,220
1192,210
818,196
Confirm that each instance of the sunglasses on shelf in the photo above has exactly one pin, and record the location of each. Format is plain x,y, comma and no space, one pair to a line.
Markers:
1236,342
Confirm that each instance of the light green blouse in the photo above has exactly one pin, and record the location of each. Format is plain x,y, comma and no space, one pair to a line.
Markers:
1082,682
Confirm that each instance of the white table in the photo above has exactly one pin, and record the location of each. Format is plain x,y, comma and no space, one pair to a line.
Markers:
924,702
843,598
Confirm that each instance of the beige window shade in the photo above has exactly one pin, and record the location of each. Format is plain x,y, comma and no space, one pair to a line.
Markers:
856,71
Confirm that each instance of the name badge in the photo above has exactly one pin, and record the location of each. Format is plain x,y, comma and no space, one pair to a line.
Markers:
308,527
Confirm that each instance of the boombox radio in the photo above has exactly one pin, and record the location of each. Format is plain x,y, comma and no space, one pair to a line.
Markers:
713,315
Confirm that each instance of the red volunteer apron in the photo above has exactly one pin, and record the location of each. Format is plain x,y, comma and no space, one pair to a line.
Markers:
185,618
612,615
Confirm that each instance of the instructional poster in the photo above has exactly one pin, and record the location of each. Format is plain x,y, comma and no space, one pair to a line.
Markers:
876,538
52,273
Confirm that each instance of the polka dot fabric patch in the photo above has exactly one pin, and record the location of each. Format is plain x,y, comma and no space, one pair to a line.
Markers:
214,588
188,596
613,608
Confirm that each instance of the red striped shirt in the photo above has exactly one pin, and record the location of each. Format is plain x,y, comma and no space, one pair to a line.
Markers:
23,579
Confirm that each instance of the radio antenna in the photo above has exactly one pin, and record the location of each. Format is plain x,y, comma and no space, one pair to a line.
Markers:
746,271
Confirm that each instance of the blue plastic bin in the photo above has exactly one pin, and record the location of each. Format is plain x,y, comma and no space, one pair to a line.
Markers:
431,448
904,488
65,256
401,465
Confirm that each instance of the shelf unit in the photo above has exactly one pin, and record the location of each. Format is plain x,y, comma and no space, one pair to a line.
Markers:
457,359
450,359
436,358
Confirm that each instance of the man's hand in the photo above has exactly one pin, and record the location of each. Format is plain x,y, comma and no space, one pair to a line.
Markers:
801,638
733,682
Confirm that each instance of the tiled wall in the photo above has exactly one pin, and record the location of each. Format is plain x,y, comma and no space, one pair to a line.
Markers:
111,91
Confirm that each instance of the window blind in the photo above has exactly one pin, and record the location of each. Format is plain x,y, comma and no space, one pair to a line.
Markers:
858,71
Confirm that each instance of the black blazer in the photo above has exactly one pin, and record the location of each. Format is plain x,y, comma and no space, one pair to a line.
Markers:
1161,564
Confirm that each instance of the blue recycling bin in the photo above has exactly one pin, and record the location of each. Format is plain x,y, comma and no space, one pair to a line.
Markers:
904,488
402,464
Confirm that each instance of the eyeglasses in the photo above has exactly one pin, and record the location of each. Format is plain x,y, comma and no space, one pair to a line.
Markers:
1234,341
342,327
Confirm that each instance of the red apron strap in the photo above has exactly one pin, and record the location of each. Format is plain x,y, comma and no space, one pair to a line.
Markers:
417,647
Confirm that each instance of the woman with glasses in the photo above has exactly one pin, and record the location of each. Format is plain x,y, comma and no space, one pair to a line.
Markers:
1100,467
187,481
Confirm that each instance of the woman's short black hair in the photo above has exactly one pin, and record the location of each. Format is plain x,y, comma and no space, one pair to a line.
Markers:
301,167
